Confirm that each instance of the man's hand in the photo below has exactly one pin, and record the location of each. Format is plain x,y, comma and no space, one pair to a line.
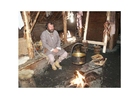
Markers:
55,50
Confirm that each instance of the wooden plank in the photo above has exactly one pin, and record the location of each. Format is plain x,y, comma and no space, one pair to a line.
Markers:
95,42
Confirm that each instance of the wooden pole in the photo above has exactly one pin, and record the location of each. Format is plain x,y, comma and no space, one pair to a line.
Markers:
28,34
35,20
106,34
108,16
79,23
111,42
65,26
105,43
112,31
80,32
95,42
86,26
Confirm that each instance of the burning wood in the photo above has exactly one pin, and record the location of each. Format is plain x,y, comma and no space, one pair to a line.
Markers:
90,75
79,80
84,80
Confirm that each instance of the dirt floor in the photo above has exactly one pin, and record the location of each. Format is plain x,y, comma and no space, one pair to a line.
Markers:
111,71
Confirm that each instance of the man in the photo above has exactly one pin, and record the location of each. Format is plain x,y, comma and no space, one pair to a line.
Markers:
51,44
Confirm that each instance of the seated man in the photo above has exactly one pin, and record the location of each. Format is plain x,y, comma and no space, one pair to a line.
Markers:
51,44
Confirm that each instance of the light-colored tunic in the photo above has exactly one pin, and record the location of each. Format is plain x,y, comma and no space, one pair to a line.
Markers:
51,41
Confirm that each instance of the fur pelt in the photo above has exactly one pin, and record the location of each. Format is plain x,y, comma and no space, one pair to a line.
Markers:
25,74
23,59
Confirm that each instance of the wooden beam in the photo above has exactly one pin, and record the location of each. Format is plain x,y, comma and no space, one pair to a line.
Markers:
35,20
95,42
80,32
105,43
108,16
28,34
113,30
86,26
65,26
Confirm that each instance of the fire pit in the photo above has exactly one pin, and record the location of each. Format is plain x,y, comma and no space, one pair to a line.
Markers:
89,76
83,80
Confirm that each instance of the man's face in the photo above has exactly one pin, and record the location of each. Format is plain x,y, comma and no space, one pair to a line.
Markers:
50,28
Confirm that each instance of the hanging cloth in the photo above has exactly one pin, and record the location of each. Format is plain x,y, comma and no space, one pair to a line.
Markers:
79,19
20,20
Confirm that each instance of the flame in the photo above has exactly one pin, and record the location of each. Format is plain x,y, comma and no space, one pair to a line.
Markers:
79,80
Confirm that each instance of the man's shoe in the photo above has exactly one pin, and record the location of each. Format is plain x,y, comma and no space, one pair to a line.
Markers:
58,65
53,67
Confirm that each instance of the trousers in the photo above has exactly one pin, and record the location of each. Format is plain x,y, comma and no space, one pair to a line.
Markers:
51,57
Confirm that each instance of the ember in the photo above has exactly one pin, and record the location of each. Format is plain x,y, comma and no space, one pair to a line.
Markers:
79,80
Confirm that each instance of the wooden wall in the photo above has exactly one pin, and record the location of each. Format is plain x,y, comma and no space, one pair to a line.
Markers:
95,25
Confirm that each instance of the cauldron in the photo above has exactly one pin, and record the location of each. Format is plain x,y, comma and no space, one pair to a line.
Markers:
78,57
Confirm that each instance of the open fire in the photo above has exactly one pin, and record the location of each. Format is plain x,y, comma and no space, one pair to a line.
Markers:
89,76
79,80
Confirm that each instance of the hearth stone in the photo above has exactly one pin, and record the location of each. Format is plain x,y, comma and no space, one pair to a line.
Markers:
95,83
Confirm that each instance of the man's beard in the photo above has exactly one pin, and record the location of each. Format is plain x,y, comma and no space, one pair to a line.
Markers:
51,31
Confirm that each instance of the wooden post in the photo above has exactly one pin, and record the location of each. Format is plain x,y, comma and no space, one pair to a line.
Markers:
80,32
112,31
28,35
105,43
79,23
106,29
65,26
86,26
111,42
108,16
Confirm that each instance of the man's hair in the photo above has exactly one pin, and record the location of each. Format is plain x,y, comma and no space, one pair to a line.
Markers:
48,23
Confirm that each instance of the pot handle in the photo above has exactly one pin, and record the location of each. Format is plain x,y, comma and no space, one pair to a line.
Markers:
74,46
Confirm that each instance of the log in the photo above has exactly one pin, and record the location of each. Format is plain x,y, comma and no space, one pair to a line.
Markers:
28,35
65,26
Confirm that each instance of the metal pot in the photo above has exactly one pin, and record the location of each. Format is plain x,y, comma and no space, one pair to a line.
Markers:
78,57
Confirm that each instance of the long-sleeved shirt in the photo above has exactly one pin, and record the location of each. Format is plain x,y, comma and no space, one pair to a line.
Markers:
50,41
